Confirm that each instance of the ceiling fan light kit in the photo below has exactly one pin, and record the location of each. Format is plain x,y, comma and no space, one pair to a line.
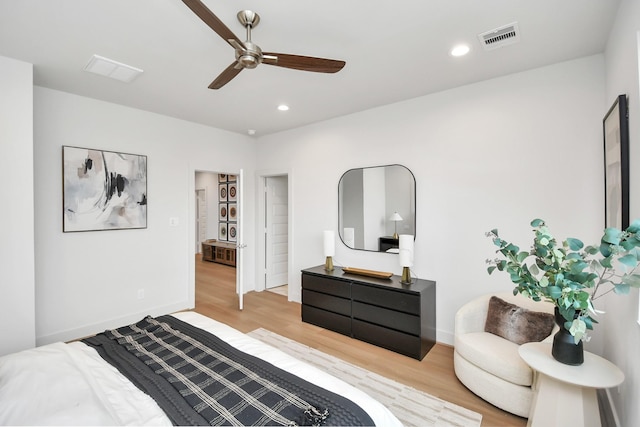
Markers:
248,54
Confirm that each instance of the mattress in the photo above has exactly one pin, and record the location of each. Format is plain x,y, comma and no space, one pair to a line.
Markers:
70,384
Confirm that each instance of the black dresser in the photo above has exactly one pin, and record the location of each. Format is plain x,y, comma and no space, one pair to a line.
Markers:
384,312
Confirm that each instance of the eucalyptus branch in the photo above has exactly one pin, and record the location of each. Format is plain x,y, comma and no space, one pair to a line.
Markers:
568,276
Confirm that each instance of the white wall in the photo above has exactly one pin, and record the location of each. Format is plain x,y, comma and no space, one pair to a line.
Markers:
17,283
89,281
493,154
209,182
621,332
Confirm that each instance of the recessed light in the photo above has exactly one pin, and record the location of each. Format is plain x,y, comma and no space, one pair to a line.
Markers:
251,132
460,50
283,107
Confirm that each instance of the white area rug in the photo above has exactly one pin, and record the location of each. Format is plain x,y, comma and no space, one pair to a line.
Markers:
412,407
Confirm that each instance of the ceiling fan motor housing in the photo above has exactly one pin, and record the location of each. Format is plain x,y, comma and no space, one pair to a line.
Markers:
250,57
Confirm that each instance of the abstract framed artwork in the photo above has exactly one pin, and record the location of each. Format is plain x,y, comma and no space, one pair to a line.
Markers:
233,212
222,231
232,232
103,190
223,212
233,192
222,193
616,164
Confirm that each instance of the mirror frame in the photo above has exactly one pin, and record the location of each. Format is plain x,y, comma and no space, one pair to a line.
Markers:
413,196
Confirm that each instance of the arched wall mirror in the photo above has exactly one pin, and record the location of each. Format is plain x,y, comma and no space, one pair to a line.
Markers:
375,204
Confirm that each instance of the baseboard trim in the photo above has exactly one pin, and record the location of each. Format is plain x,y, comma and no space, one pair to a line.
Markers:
94,328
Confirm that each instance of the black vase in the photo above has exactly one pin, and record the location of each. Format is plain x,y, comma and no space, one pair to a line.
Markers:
564,348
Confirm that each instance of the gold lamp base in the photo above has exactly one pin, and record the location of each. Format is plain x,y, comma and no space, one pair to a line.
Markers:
406,276
328,264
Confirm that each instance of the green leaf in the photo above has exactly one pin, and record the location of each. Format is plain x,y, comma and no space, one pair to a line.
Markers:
578,266
522,256
632,280
578,329
491,269
621,289
629,260
606,262
574,244
588,322
612,236
634,227
512,248
629,244
554,292
537,222
591,250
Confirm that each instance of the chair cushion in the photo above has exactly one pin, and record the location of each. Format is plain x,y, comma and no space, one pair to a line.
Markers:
495,355
517,324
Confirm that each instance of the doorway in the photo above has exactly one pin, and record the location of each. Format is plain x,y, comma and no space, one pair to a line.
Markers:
276,232
218,221
274,253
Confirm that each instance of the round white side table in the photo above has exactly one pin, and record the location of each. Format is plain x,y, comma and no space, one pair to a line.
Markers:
565,395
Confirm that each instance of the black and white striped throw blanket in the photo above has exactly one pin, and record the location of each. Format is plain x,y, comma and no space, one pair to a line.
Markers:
198,379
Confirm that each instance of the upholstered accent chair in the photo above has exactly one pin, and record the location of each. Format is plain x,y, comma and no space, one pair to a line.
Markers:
489,365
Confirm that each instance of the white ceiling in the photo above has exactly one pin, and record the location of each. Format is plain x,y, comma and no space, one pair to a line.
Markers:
394,50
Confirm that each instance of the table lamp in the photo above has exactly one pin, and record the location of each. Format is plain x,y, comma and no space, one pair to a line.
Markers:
406,257
329,249
395,218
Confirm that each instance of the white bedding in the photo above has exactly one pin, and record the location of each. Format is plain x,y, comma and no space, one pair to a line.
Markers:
70,384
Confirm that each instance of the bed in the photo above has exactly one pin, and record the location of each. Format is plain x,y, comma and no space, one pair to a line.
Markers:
72,384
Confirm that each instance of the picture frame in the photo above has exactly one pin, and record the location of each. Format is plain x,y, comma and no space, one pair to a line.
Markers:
222,231
223,212
232,212
222,193
103,190
232,191
616,164
232,232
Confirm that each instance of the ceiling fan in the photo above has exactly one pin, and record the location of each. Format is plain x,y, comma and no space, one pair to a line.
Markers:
248,54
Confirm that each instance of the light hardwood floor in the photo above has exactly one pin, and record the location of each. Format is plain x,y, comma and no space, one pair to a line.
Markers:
216,298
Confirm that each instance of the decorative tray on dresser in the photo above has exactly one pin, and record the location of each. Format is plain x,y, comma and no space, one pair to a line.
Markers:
383,312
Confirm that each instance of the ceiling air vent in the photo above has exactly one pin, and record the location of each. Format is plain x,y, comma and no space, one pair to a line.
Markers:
501,36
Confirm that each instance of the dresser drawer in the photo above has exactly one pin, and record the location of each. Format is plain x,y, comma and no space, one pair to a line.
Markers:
384,317
327,302
327,319
389,298
326,285
402,343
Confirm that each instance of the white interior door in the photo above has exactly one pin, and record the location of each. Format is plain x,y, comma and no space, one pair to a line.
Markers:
276,231
201,218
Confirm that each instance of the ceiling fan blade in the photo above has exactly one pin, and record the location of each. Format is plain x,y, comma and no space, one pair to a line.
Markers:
225,77
212,20
304,63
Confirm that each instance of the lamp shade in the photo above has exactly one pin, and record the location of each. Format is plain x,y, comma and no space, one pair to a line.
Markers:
329,243
395,217
406,250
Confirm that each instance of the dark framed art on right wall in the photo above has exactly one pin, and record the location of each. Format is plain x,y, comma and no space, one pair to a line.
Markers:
616,164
